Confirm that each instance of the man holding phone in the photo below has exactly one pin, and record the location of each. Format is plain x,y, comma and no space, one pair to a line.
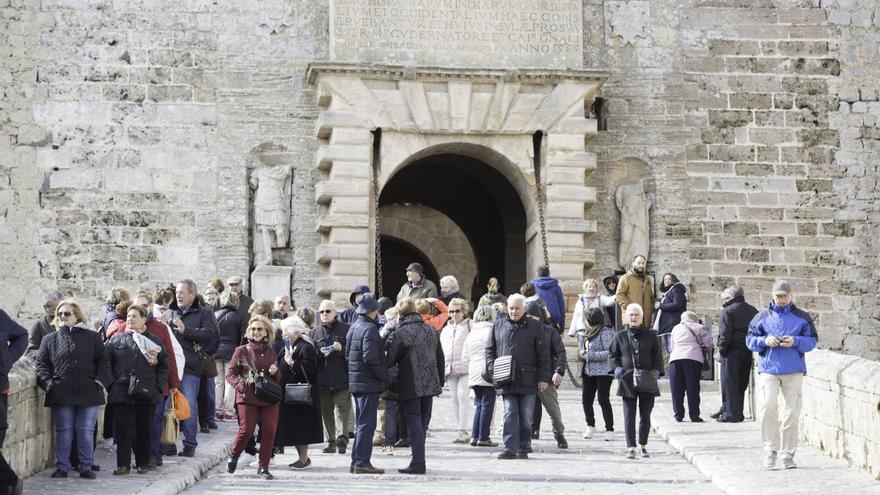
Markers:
329,338
781,334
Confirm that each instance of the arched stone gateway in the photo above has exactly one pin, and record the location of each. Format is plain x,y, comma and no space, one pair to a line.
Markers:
487,117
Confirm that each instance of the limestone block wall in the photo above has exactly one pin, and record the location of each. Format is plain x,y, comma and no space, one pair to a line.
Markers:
842,408
30,440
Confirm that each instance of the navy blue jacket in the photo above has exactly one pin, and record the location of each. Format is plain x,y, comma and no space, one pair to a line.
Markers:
673,304
366,357
200,336
13,342
733,326
547,288
332,369
524,339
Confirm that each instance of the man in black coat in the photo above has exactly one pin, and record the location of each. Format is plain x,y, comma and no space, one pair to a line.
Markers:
367,378
329,339
195,328
523,338
236,284
736,358
43,326
550,398
13,341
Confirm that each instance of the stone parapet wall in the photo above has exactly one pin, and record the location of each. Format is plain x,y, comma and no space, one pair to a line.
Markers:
841,414
30,441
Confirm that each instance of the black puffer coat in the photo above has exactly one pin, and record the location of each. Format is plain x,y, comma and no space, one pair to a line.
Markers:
332,369
524,339
415,348
200,333
366,357
733,325
621,353
232,327
73,368
126,360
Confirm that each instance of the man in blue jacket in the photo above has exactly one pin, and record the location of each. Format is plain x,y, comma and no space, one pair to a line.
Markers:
547,288
367,377
781,335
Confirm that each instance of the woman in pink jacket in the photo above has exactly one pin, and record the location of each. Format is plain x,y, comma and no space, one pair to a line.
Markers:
686,363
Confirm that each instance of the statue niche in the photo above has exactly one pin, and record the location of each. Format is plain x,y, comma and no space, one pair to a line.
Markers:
633,203
270,182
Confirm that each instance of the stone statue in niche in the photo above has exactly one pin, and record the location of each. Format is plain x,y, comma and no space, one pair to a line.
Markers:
271,185
633,203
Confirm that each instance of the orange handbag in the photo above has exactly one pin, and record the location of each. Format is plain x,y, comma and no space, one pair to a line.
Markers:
180,405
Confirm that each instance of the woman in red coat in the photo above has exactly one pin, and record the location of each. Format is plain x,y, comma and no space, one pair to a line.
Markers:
249,360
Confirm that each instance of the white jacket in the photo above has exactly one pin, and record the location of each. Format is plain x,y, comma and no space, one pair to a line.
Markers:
452,341
475,353
579,318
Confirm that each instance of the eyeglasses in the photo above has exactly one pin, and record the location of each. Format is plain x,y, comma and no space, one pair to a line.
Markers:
65,314
253,329
454,311
325,311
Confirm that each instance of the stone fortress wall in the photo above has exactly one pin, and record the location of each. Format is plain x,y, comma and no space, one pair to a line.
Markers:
127,128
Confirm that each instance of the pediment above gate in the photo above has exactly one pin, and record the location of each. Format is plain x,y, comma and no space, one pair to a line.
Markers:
460,101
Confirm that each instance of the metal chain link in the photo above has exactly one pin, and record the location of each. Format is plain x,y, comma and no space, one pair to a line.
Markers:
378,247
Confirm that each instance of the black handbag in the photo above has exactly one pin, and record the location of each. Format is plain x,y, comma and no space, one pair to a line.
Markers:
138,389
503,371
298,394
644,381
708,370
265,388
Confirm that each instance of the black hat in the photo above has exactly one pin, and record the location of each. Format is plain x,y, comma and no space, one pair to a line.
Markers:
368,304
416,267
360,289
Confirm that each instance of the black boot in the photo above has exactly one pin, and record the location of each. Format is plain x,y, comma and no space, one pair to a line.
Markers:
231,464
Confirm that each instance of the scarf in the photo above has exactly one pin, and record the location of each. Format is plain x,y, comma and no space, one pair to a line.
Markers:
148,348
593,331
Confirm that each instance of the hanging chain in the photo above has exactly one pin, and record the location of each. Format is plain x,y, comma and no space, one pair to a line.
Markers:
375,194
539,196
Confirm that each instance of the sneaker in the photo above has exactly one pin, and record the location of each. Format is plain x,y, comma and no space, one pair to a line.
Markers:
89,475
507,455
788,462
609,436
474,442
367,470
631,453
487,443
588,433
330,449
770,459
300,465
388,450
645,452
264,473
462,438
109,445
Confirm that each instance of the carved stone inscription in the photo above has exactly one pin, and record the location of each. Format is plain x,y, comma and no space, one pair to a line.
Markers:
501,33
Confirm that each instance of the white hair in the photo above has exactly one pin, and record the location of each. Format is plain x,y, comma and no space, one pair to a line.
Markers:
635,308
516,297
450,282
689,316
292,323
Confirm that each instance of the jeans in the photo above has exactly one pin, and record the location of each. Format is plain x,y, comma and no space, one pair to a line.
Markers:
207,405
518,410
415,412
645,406
602,385
391,409
156,433
189,386
484,407
684,376
367,407
70,420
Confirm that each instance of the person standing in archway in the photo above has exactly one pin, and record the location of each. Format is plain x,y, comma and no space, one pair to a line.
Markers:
417,286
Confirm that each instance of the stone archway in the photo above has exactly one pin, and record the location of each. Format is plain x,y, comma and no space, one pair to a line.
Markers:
418,109
434,234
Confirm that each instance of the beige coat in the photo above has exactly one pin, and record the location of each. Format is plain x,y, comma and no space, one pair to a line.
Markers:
632,289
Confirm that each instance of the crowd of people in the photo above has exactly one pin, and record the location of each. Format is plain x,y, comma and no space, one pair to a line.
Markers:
367,375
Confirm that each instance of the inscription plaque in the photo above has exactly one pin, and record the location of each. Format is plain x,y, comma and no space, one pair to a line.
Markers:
462,33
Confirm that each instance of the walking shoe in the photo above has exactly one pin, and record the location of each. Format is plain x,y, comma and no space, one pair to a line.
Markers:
59,474
507,455
561,442
522,455
462,438
588,432
770,459
121,470
728,419
169,449
678,419
487,443
351,435
300,465
341,444
411,470
95,467
697,420
212,425
474,442
609,436
204,429
388,450
330,449
631,453
264,473
788,462
717,414
367,470
89,475
187,452
231,464
143,470
645,452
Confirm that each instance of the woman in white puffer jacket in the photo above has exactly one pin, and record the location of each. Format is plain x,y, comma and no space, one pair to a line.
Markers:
452,340
484,392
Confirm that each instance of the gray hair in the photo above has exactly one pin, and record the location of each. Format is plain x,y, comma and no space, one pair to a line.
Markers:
293,323
484,313
731,292
229,299
516,297
449,280
636,308
689,316
190,285
53,296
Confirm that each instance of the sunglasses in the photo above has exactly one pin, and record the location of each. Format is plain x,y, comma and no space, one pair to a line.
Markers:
454,311
325,311
259,328
65,314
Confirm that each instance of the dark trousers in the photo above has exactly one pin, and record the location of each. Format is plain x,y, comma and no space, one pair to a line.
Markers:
417,413
645,406
484,407
248,415
684,377
133,426
602,385
735,370
107,432
8,478
207,405
390,428
367,408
